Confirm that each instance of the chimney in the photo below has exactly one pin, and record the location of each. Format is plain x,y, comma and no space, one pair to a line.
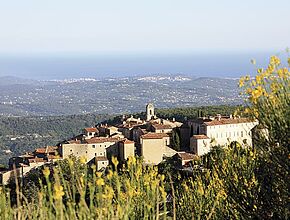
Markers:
219,117
231,116
173,119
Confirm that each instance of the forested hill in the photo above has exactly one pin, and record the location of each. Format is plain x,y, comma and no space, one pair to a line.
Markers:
21,134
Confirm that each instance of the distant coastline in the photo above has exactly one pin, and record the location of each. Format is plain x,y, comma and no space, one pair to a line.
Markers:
59,67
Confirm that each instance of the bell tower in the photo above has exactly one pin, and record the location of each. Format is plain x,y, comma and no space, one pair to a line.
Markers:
149,112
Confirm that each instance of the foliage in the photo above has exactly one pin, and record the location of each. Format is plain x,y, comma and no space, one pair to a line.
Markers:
34,132
269,103
138,191
175,140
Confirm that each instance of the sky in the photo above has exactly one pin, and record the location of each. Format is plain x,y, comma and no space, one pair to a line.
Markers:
47,39
148,26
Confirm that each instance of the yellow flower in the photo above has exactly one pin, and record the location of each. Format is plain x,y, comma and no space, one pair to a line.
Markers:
249,90
260,70
99,174
270,68
247,110
108,193
110,174
242,82
70,162
46,172
259,79
274,60
58,191
253,83
83,160
257,93
115,161
131,160
163,193
274,87
256,113
100,182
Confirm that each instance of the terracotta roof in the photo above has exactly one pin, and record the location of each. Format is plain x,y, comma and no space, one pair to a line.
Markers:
130,125
48,149
161,126
96,140
126,141
224,121
100,158
200,136
187,156
91,129
36,160
25,156
53,157
74,142
154,136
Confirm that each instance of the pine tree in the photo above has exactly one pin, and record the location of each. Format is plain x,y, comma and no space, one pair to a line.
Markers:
175,140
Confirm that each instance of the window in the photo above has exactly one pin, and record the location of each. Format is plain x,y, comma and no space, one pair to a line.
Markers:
95,154
94,146
101,153
103,162
90,134
71,150
242,135
86,152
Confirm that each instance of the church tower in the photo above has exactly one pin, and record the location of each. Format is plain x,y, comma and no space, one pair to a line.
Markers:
149,112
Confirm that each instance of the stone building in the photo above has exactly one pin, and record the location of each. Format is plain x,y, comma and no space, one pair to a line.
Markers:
150,114
126,149
155,146
90,132
212,131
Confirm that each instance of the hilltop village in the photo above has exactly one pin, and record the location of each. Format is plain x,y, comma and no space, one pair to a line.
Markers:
150,138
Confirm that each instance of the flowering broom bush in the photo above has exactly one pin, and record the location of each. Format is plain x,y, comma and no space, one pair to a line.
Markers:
269,102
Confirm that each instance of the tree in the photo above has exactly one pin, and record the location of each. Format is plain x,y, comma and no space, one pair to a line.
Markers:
175,140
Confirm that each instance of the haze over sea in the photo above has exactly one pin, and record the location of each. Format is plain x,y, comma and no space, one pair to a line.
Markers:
63,66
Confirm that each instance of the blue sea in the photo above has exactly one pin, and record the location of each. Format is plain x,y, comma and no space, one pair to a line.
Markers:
63,66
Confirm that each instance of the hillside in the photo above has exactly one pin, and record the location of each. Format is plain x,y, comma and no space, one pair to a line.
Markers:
19,97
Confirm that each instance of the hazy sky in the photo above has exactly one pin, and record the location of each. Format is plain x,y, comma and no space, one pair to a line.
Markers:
97,26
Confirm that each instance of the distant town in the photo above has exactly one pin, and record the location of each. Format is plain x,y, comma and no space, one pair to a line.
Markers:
21,97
